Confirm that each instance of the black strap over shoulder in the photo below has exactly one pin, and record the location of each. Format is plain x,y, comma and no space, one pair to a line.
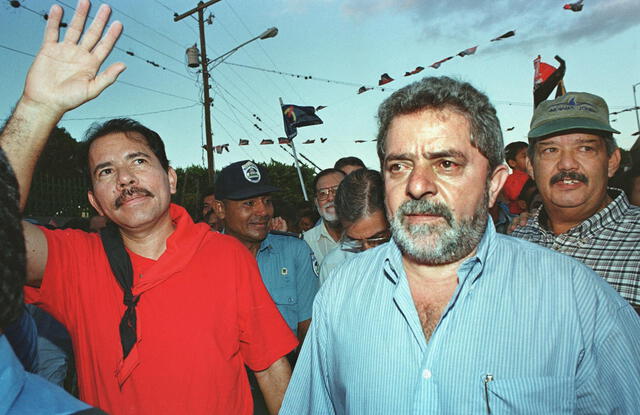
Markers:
123,271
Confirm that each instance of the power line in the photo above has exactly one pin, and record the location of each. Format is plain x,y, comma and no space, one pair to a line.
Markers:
175,14
148,27
132,38
263,51
131,115
18,51
156,91
305,77
119,81
128,52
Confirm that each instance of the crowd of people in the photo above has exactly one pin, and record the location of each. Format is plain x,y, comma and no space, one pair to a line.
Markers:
460,277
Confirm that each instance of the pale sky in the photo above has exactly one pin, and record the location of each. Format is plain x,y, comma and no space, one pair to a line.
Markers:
342,45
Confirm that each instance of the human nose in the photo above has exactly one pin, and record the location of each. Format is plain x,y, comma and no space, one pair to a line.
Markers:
331,194
567,160
260,208
126,177
421,183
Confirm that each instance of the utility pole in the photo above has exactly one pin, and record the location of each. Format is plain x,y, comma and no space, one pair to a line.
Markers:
205,81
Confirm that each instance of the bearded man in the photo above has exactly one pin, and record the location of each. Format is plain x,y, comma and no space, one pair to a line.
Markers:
326,234
449,316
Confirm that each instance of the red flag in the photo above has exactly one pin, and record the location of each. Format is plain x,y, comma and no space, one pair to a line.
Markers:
309,142
243,142
283,140
436,65
384,79
359,141
363,89
266,141
415,71
574,7
469,51
542,71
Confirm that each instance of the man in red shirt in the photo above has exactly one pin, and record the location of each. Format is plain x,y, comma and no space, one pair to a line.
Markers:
516,156
195,310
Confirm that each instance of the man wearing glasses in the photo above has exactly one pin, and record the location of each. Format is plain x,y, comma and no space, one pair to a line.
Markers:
360,207
325,235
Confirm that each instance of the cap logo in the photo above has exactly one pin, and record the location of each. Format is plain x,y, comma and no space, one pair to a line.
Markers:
251,172
572,105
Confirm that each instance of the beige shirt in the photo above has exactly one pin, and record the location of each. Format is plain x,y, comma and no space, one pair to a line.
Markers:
319,240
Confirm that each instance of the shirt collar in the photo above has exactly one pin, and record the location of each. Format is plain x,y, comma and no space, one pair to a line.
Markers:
393,267
266,243
593,225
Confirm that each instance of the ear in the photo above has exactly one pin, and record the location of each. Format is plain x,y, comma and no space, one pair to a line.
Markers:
530,168
511,164
94,203
498,177
614,162
219,208
173,180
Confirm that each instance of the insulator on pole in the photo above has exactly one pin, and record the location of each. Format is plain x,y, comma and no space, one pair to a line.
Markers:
193,60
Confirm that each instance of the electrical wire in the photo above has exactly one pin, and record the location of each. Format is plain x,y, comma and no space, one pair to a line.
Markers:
131,115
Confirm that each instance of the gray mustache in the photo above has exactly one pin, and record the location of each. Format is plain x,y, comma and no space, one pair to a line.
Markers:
429,207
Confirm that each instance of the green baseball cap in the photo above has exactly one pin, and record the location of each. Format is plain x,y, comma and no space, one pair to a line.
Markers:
572,111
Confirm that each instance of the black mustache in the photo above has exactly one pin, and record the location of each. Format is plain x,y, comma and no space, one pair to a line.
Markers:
569,175
131,191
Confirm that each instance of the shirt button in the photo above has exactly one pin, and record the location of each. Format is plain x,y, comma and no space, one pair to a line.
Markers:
290,300
426,374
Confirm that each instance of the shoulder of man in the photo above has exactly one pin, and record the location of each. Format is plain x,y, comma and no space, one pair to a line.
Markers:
289,234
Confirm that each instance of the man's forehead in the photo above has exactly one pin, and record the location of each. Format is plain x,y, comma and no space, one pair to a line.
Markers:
329,180
573,138
430,129
264,196
115,146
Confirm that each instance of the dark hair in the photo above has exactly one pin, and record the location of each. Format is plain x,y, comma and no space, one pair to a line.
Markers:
608,138
359,195
126,126
208,191
512,149
348,161
12,249
323,173
440,93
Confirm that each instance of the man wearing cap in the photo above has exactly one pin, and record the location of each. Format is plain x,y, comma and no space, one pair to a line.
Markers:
572,154
243,193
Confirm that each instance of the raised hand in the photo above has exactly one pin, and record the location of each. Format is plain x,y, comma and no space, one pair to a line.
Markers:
64,74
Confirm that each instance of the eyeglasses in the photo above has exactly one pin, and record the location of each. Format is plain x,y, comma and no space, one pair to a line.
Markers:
359,245
323,194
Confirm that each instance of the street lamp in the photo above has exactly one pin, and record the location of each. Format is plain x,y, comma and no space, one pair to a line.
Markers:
205,72
271,32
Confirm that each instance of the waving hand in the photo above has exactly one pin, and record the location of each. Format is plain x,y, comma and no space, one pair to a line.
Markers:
64,74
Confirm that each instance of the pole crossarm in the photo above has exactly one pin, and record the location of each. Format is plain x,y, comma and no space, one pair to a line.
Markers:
200,6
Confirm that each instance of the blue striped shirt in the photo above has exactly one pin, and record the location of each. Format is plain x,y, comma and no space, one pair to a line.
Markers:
527,331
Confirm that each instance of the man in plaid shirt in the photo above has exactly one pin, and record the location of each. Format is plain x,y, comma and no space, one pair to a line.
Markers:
572,154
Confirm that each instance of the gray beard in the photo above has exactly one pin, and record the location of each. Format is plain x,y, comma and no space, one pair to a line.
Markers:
438,244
